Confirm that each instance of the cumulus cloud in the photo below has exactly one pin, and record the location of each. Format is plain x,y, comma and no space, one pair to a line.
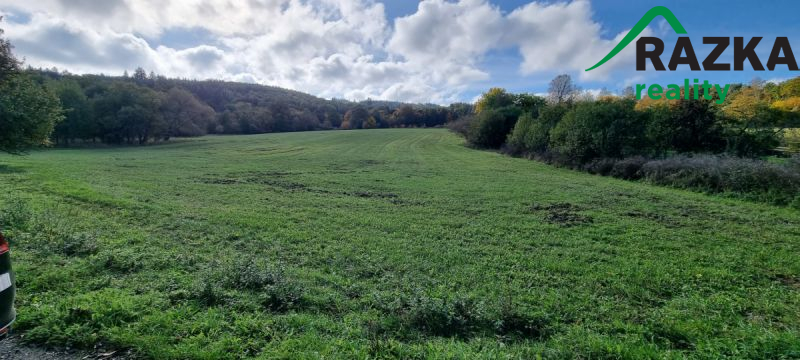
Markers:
330,48
563,37
48,41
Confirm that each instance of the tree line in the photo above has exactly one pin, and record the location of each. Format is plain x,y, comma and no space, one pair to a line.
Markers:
144,108
579,127
688,143
46,106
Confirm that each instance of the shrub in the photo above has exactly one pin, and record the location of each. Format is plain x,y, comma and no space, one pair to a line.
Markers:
524,323
488,129
601,166
531,135
794,163
252,274
461,126
753,179
79,244
208,292
457,316
276,291
605,128
752,143
628,168
520,138
684,126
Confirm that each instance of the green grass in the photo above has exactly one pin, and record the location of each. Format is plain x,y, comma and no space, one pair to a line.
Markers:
387,243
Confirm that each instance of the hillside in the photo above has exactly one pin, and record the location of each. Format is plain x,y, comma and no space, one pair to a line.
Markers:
143,108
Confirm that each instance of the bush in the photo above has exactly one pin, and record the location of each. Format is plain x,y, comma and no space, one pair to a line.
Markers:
752,179
601,166
488,129
530,324
794,163
629,168
684,126
456,316
531,135
752,143
79,244
521,137
605,128
461,126
277,292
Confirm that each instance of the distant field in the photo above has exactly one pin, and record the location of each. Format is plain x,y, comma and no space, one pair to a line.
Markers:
388,243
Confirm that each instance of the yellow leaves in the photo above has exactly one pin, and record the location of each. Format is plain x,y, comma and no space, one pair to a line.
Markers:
370,123
494,98
791,104
648,103
607,98
744,105
790,88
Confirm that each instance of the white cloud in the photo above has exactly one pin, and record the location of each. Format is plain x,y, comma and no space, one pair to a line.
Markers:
330,48
776,81
563,37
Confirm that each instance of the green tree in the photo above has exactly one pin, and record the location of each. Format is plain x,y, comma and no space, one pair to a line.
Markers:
605,128
488,129
139,75
532,134
752,126
129,113
531,104
28,112
78,118
9,64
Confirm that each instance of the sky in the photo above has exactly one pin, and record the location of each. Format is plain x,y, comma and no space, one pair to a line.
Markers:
430,51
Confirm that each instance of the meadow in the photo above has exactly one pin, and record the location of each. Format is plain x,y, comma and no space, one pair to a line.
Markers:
395,243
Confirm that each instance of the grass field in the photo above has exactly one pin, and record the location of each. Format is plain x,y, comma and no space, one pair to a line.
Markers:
387,243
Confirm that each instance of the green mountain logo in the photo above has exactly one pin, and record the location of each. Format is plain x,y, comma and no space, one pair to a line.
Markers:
639,27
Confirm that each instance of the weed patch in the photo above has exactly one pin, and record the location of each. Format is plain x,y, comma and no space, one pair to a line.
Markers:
563,214
269,282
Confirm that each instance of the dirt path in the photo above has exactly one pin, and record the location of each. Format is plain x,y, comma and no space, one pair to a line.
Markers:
12,349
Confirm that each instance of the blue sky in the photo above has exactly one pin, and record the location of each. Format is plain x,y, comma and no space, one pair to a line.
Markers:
431,51
747,19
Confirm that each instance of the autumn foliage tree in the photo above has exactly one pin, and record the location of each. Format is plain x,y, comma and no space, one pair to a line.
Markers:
495,98
184,115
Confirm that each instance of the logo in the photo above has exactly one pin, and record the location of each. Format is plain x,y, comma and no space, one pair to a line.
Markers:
781,55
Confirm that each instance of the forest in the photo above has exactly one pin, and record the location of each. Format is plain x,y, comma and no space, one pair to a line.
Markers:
144,108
